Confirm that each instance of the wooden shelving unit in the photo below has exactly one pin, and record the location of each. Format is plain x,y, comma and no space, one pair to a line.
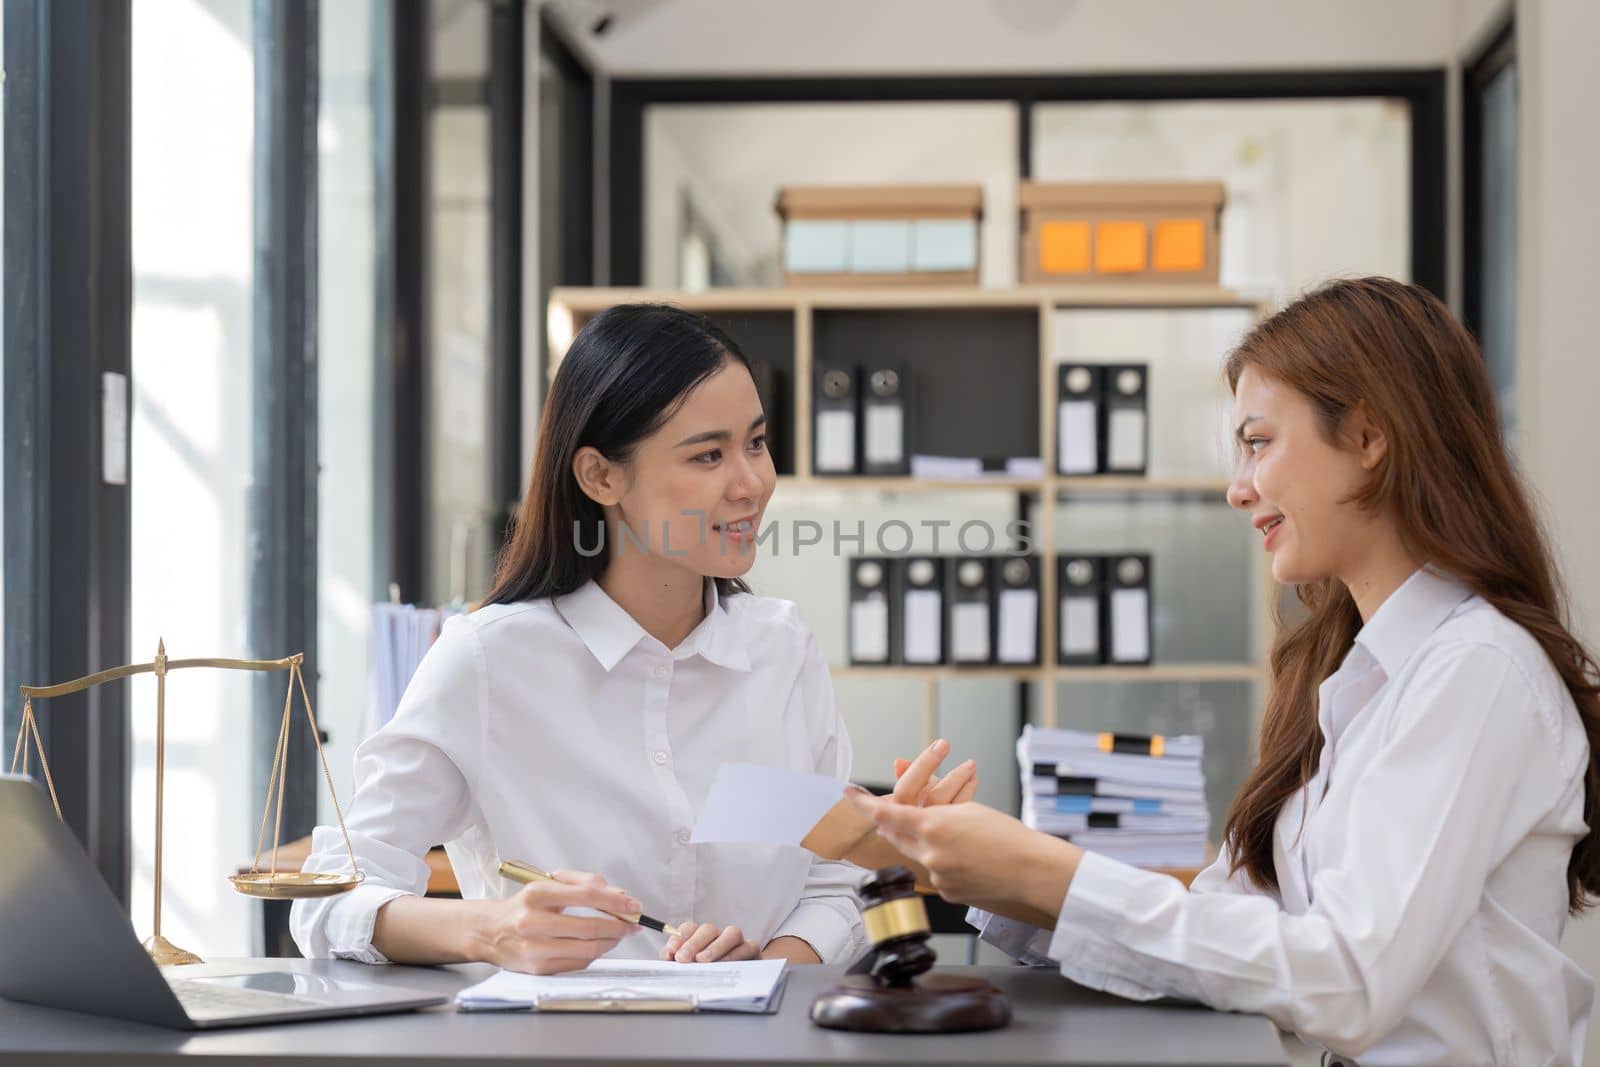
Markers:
570,308
1109,485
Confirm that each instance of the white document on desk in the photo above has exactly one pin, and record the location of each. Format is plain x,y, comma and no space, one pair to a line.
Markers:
764,805
749,986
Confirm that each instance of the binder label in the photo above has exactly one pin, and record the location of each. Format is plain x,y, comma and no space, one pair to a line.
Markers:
1080,626
1125,439
1019,625
869,630
885,439
1130,625
923,610
836,441
969,636
1077,449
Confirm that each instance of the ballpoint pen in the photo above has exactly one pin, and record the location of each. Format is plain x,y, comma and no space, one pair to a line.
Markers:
518,871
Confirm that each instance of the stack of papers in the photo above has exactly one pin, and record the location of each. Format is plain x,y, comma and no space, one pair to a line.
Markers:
401,636
752,986
1110,794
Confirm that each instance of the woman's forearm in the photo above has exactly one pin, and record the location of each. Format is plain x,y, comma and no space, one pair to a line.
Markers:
419,930
790,948
1044,880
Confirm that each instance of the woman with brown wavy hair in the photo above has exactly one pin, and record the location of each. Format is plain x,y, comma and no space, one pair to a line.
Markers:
1398,867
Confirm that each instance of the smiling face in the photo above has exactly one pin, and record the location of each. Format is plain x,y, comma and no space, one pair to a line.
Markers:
1297,486
695,490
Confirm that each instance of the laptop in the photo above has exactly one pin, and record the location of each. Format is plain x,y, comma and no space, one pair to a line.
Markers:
65,943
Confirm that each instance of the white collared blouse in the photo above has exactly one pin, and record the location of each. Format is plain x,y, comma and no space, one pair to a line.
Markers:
560,733
1422,899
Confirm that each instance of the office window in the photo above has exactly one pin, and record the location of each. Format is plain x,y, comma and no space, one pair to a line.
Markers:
1316,188
465,522
712,172
192,182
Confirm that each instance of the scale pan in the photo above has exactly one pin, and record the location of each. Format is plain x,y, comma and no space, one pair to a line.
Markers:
293,885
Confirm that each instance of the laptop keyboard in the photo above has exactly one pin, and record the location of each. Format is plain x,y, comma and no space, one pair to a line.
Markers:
209,1000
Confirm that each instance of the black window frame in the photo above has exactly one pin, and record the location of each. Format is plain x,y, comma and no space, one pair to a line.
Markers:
68,322
282,616
1477,75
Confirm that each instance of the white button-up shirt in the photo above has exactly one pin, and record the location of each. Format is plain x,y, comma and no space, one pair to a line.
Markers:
561,734
1422,872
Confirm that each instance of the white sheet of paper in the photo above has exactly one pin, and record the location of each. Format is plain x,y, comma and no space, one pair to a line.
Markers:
744,986
1125,439
836,441
1078,450
1019,626
923,622
764,805
1080,625
885,437
969,633
1024,467
1130,625
869,630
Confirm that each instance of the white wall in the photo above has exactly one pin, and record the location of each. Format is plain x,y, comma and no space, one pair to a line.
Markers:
1558,355
711,38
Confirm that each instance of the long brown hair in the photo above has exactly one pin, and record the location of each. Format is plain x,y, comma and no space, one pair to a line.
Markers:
1457,500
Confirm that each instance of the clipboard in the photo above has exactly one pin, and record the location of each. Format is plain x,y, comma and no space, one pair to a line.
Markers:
626,1001
617,1000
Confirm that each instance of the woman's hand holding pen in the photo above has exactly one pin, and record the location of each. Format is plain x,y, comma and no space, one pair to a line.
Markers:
531,932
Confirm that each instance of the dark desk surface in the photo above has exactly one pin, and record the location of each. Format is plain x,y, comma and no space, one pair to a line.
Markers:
1056,1023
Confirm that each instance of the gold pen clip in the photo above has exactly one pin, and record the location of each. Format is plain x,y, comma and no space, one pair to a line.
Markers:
518,871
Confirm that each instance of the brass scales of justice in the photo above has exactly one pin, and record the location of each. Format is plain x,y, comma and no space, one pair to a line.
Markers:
271,884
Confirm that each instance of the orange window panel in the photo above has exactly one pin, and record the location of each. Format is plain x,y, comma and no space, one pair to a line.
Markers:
1120,247
1180,245
1064,247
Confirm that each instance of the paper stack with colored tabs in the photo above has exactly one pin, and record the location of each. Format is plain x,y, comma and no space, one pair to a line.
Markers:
1137,798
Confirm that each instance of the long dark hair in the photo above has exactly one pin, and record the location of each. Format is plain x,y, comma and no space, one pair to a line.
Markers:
625,375
1458,501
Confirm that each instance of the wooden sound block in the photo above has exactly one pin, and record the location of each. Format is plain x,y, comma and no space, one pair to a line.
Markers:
932,1004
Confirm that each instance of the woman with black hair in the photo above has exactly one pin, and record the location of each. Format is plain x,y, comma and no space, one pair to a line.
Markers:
575,719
